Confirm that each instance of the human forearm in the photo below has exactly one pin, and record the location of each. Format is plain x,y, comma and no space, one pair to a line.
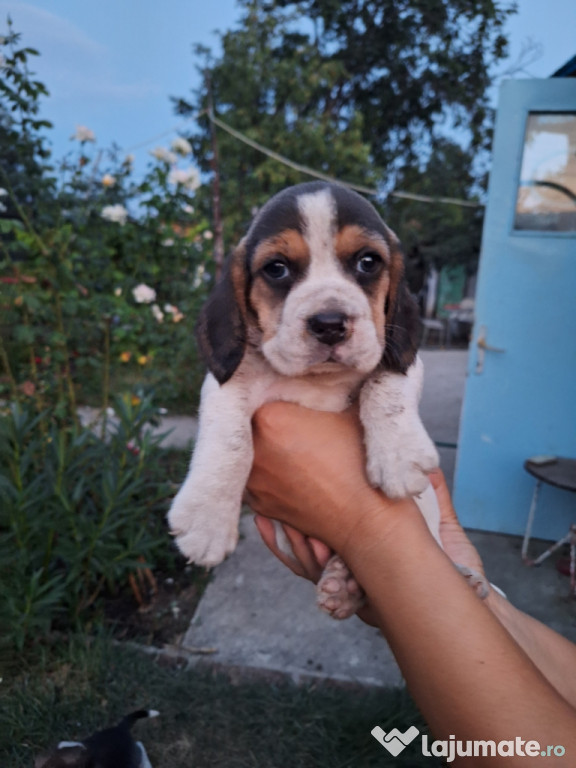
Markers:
554,655
466,673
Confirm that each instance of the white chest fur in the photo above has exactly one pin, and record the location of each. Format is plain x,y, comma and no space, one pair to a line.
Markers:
319,392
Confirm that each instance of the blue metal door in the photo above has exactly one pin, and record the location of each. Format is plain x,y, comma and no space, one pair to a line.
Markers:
520,398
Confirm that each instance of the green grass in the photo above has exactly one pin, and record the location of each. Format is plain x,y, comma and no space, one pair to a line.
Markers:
79,686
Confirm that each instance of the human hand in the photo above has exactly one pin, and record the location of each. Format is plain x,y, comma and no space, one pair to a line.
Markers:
309,471
309,556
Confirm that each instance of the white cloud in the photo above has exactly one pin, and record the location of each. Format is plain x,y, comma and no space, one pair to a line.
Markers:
72,64
46,27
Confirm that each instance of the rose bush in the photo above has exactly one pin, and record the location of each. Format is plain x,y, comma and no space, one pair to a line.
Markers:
90,260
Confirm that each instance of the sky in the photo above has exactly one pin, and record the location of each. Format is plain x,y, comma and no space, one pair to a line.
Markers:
112,65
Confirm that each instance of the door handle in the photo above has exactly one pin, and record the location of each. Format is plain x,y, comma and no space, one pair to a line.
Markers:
484,347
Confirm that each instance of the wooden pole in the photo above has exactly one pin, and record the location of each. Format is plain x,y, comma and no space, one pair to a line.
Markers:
218,252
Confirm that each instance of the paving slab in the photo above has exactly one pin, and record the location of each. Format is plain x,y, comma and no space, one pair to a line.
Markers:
178,431
259,617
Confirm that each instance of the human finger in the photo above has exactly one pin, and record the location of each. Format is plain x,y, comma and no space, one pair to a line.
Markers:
438,481
304,553
267,531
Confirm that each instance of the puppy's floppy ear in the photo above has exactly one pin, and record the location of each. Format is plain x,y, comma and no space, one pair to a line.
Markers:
402,318
221,327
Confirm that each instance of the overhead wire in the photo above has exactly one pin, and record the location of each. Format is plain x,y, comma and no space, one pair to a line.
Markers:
325,177
373,192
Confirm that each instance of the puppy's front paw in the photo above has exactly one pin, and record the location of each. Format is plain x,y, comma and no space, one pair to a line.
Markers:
337,592
400,462
205,530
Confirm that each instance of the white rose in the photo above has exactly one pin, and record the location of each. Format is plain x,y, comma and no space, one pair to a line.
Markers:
83,134
199,276
157,312
181,146
188,178
164,155
116,213
143,294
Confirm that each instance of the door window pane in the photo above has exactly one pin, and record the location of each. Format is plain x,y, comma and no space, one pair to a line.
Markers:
547,189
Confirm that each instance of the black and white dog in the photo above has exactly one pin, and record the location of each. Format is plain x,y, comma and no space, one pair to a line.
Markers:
110,748
314,309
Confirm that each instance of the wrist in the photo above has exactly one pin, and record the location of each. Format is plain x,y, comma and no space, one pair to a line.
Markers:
499,605
384,530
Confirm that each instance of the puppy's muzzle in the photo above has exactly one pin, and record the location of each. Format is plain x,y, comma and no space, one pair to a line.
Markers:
328,327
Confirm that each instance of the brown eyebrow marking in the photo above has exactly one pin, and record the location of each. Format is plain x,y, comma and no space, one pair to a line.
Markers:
288,243
352,238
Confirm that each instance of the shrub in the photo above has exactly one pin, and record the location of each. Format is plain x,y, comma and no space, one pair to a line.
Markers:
78,514
101,275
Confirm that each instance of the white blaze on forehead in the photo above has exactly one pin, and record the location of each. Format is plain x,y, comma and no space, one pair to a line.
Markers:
318,212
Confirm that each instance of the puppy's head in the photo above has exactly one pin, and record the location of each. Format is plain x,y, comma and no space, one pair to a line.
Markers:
316,285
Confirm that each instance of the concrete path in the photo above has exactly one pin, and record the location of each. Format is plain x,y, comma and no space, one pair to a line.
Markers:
259,617
180,431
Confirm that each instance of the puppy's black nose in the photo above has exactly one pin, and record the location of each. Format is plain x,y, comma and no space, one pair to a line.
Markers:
328,327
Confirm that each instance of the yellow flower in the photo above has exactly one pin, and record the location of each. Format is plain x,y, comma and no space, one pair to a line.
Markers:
125,357
108,180
135,400
142,360
18,301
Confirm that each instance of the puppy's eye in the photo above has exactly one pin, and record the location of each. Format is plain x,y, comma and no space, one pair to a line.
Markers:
368,263
276,270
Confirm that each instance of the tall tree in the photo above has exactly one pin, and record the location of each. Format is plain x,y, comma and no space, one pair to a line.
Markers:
272,84
413,67
438,234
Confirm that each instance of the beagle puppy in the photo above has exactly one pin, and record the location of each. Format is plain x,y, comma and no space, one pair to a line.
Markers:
313,308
